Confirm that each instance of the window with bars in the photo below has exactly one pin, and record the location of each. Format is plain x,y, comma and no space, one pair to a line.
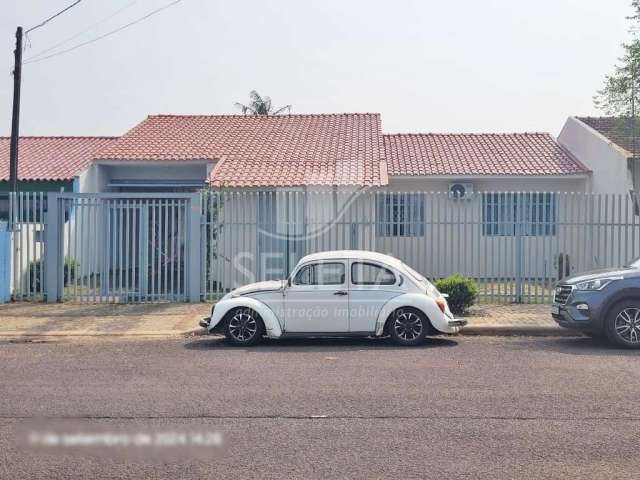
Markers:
535,214
400,215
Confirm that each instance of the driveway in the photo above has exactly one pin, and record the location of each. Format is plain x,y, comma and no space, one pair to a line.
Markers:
468,407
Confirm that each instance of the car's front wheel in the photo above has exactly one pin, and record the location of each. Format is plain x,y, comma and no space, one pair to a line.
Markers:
408,327
623,324
243,327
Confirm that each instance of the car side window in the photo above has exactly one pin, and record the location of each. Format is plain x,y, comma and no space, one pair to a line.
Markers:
332,273
363,273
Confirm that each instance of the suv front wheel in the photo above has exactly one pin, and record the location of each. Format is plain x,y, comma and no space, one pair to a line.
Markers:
623,324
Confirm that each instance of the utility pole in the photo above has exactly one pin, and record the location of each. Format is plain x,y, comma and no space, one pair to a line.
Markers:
15,116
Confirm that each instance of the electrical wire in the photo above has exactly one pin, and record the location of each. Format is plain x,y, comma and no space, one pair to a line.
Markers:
42,24
105,35
90,27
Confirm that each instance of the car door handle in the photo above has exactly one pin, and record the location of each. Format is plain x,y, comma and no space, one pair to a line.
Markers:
340,292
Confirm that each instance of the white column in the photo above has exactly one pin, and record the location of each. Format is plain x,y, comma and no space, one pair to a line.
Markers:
193,247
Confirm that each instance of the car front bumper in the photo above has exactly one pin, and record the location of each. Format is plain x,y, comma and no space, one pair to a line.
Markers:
568,316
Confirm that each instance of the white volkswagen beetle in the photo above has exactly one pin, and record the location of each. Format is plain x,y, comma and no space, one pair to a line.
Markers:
340,293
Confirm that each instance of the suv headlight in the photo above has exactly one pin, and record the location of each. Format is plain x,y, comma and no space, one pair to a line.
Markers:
596,284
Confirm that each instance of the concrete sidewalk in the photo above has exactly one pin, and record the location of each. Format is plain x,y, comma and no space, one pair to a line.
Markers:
71,320
176,319
513,319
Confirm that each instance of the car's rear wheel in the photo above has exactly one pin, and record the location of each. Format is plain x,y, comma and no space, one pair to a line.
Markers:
408,327
243,327
623,324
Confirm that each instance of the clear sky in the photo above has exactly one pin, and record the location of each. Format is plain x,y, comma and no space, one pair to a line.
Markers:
425,65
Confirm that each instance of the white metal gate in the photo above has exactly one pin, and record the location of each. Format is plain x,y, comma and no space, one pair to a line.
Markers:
123,248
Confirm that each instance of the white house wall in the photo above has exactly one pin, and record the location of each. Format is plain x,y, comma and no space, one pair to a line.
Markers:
93,180
492,184
607,161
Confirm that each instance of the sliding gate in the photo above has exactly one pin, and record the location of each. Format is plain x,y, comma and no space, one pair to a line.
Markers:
123,248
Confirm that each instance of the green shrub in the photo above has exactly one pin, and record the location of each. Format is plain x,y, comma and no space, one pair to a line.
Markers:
462,292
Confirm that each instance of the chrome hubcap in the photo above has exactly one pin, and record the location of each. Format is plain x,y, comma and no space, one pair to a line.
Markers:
407,325
243,325
628,325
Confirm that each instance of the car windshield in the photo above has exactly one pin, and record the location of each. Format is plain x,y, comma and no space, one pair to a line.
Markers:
635,263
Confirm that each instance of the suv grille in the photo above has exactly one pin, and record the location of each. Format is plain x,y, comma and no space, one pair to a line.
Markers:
562,293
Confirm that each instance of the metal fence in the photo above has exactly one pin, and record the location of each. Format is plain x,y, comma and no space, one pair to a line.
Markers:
113,248
123,249
144,247
516,246
27,222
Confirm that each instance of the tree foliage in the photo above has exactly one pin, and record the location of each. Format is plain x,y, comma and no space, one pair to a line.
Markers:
621,91
620,95
260,105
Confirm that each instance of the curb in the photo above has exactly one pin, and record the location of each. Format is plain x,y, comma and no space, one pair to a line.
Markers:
143,333
196,332
474,331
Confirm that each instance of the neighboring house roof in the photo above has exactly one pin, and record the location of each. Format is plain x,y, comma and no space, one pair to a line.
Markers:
51,158
264,151
478,154
616,129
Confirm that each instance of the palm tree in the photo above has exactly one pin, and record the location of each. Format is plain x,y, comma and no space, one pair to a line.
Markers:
260,106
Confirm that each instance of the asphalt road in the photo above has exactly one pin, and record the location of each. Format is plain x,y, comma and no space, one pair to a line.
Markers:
457,408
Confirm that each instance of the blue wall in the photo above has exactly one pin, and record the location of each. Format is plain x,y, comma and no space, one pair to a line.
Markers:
5,263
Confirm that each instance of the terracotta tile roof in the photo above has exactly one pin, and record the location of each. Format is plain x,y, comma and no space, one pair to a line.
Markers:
258,151
617,129
478,154
51,158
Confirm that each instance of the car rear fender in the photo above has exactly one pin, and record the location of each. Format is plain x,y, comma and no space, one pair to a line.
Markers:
271,324
422,302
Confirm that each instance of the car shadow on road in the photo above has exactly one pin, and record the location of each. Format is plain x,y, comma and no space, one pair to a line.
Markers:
576,346
314,344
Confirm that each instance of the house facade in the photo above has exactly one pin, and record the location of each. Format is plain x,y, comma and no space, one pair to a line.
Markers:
274,188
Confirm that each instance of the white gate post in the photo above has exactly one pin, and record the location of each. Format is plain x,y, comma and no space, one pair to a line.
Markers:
53,249
194,249
5,262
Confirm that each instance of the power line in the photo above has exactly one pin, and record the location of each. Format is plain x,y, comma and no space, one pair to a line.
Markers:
53,16
108,34
90,27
